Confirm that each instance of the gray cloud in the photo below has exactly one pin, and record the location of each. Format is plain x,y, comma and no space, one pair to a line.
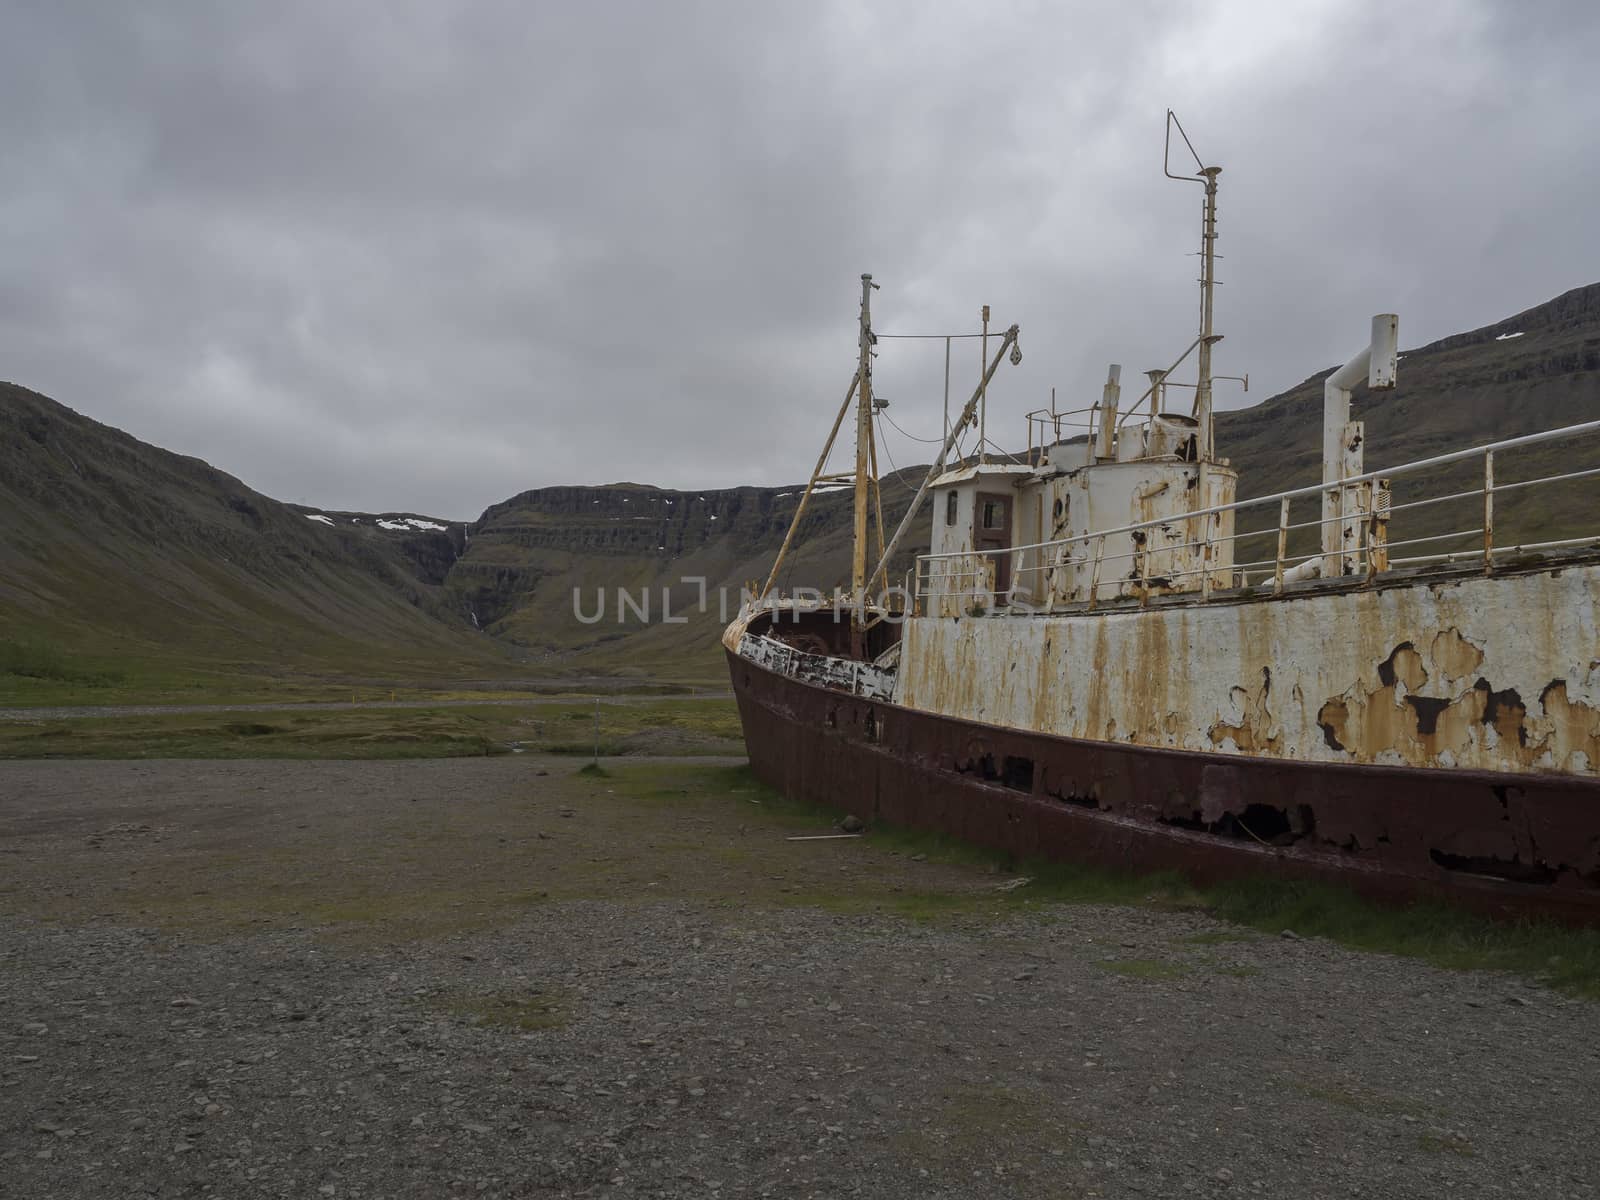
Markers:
424,256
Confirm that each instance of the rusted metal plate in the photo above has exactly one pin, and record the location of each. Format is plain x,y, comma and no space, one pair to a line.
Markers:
1501,842
1468,673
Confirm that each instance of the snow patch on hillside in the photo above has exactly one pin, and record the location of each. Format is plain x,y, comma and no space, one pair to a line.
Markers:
408,524
323,517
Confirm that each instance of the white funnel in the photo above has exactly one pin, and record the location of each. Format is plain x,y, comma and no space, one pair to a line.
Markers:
1342,450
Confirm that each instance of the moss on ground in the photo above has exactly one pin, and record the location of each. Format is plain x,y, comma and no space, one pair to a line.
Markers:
637,833
521,1012
1144,968
650,726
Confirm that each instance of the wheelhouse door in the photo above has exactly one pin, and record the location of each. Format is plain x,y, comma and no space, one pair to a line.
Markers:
992,534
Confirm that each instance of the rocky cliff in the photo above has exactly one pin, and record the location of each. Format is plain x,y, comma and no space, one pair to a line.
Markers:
101,532
1537,370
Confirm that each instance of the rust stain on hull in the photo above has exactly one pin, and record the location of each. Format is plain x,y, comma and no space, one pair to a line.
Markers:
1398,718
1500,842
1470,673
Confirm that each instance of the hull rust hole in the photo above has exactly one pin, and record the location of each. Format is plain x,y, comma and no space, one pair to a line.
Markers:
1496,868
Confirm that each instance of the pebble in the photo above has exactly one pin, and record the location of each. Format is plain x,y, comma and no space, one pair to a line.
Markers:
383,1089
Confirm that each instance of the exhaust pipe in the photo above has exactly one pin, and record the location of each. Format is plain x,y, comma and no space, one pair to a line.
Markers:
1342,439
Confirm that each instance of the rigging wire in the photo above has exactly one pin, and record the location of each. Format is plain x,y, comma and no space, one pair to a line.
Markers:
892,466
912,436
1006,453
903,336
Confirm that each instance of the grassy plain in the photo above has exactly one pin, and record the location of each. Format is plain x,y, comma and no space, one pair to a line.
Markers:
642,725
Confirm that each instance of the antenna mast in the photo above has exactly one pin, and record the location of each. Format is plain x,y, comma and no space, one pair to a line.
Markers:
1208,280
858,560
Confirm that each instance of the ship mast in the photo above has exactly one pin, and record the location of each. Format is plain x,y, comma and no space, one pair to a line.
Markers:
1208,282
868,496
864,457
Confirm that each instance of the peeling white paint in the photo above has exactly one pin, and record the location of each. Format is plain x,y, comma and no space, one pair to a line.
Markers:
1266,678
858,678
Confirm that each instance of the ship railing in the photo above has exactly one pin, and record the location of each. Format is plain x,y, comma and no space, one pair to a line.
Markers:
1046,426
1153,568
892,602
866,679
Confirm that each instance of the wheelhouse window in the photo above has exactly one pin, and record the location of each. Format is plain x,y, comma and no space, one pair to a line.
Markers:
993,511
950,502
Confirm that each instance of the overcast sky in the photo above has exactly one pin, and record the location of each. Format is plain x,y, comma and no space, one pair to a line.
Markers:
424,256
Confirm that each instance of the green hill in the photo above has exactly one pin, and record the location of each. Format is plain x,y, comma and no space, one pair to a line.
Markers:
136,572
148,572
1537,370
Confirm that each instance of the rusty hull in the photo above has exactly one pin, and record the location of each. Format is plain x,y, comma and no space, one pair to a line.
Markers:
1457,672
1393,833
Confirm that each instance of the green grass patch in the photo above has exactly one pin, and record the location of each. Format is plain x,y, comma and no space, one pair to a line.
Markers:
913,904
586,749
158,651
674,726
1217,937
520,1012
1564,958
668,725
1433,1143
1366,1101
351,733
985,1123
1144,968
40,660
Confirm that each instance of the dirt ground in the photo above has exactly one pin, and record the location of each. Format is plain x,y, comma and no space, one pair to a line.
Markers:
500,977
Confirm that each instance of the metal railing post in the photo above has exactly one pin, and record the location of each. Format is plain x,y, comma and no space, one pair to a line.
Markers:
1094,574
1283,546
1364,499
1368,549
1488,512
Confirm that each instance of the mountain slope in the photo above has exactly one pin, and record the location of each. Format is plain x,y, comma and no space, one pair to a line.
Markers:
1534,371
126,550
527,555
122,550
536,562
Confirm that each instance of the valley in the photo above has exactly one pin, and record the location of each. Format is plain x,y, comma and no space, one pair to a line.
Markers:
130,574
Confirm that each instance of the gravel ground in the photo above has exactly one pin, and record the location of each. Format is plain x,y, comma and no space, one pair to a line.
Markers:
658,1023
